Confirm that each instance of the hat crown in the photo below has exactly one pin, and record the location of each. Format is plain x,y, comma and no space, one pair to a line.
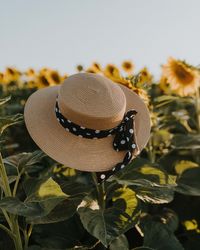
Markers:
92,101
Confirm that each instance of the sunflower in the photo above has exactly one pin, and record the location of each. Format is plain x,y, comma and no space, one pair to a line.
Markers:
143,94
1,77
79,68
31,84
164,85
11,75
97,66
111,71
44,70
30,73
94,68
128,66
183,78
42,81
53,77
145,76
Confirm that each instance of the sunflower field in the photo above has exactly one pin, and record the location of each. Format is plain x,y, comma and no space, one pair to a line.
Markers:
153,204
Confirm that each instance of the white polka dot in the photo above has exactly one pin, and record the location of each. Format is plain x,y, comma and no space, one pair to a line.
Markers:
126,118
109,135
62,120
117,150
97,131
133,145
115,144
58,119
102,176
67,129
122,142
74,129
80,136
113,169
56,110
131,131
127,138
82,127
122,166
111,130
88,134
95,138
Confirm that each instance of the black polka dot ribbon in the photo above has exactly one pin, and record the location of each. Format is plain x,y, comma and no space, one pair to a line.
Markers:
124,137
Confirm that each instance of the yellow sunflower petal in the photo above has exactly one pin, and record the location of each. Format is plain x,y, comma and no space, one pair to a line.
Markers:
182,78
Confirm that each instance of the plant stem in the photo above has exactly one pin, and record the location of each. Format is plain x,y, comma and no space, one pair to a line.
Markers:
7,218
7,231
151,153
101,195
17,241
198,108
13,220
16,183
27,234
100,191
4,177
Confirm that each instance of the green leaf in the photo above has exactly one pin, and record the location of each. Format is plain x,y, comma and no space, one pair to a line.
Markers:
46,205
119,243
155,195
182,166
34,247
15,206
48,190
143,173
188,182
61,204
108,223
144,248
151,183
63,211
48,195
190,142
77,248
164,100
24,160
4,100
10,120
169,218
59,235
11,179
159,237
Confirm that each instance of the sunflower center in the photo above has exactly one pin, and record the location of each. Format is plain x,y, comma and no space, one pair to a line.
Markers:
44,81
55,77
183,75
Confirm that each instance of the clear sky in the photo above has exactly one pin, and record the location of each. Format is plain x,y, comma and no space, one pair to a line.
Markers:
63,33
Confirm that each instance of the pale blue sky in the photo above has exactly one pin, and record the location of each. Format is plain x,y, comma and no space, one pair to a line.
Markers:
63,33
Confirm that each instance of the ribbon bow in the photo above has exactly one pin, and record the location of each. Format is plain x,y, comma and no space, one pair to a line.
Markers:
124,140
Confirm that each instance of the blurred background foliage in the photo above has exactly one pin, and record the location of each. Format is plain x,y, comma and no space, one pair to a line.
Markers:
152,204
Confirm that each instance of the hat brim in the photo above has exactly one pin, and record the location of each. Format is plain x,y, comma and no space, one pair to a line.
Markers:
70,150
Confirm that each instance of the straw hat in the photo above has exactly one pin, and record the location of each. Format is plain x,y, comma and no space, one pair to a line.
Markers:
88,122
